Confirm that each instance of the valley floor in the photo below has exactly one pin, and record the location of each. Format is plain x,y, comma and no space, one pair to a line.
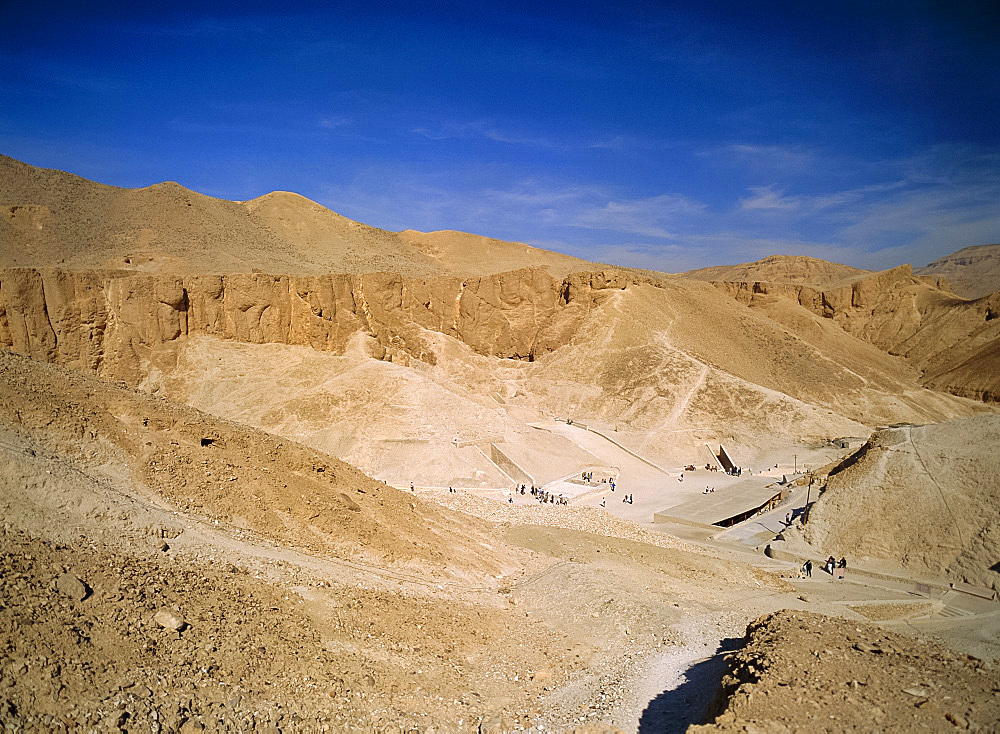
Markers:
129,601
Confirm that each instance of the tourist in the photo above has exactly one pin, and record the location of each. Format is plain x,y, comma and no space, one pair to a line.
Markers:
602,502
808,566
788,518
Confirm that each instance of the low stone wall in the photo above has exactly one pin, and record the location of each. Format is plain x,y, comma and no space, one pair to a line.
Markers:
509,467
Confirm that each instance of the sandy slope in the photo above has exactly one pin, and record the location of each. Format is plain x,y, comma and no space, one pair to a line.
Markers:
641,363
252,480
311,594
921,498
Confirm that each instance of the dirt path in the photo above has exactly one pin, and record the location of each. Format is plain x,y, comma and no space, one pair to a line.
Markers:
676,686
679,409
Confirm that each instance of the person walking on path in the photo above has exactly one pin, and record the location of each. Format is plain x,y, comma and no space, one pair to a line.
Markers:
808,566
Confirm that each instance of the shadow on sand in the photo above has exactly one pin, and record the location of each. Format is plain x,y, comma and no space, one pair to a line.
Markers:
676,709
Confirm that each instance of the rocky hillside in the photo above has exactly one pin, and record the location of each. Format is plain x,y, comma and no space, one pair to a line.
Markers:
953,342
161,566
806,672
647,354
924,498
669,362
973,272
106,320
215,469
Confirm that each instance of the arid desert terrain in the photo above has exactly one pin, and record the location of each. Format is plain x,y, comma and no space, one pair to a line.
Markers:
265,468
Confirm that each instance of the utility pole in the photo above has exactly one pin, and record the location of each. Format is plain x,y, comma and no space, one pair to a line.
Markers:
795,457
805,510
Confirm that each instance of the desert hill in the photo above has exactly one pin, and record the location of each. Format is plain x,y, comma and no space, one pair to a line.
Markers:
925,498
952,341
779,269
419,347
973,272
664,362
224,472
50,217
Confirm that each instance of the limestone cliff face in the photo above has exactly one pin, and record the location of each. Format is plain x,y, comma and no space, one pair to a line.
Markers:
110,321
954,342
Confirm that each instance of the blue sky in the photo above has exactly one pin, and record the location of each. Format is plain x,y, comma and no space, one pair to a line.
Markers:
662,135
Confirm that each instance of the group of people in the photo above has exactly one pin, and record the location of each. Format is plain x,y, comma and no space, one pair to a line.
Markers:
830,565
546,497
708,490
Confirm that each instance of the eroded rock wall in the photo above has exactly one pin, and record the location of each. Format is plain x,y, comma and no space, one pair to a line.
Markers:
954,342
109,321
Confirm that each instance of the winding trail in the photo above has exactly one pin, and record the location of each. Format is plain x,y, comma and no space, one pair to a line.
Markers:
682,406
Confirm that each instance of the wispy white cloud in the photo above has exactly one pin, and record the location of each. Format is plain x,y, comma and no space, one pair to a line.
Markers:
597,208
479,129
333,122
651,216
924,206
787,158
407,200
768,197
947,202
485,129
631,143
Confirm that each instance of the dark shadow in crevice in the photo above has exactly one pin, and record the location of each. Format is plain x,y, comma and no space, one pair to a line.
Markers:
675,710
